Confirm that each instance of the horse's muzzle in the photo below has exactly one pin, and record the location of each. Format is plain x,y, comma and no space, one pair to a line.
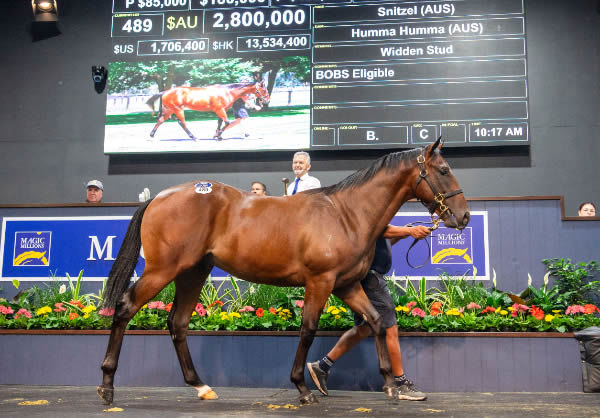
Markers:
451,221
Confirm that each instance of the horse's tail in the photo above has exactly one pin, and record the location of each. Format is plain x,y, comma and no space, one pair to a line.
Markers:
120,273
151,100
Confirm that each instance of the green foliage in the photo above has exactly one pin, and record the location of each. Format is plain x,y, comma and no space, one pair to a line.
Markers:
457,305
275,296
142,77
573,281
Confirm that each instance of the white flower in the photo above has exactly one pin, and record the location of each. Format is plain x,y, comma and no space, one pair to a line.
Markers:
62,289
528,279
546,278
252,290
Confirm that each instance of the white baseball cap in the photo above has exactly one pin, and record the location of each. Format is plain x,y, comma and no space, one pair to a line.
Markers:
95,183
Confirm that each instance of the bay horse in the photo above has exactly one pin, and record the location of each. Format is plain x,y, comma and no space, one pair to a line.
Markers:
217,98
323,239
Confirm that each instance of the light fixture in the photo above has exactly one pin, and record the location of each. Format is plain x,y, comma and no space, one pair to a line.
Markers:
44,10
45,19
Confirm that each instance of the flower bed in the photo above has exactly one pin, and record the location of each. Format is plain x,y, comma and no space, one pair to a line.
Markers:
461,306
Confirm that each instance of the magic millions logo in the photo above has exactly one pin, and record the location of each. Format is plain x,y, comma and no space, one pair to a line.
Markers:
450,246
32,248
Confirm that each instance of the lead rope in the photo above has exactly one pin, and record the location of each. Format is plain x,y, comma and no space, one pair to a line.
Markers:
432,228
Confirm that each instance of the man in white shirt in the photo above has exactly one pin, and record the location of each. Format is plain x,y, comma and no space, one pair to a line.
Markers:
303,181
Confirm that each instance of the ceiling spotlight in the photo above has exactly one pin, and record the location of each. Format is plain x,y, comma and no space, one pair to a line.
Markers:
45,19
44,7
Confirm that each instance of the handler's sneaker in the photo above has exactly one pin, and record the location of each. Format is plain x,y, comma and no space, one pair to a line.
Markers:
318,376
408,391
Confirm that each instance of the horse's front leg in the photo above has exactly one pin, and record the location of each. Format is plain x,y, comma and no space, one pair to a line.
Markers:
318,289
355,297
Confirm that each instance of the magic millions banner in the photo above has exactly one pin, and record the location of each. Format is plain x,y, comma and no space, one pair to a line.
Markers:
37,249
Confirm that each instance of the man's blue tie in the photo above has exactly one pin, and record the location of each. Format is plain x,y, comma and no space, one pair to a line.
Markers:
296,186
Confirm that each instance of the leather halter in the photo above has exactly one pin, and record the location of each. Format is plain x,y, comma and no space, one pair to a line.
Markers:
438,197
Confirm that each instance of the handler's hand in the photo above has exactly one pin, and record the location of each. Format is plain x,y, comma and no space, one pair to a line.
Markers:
419,231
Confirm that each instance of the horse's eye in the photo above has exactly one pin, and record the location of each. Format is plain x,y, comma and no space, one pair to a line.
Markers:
444,171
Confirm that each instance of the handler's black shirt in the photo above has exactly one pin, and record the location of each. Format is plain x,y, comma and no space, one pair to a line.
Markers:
382,262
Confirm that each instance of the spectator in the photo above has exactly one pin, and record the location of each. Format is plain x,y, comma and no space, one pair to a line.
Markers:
94,191
303,181
587,209
258,188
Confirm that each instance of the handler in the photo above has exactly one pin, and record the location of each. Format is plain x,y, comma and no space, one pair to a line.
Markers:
376,289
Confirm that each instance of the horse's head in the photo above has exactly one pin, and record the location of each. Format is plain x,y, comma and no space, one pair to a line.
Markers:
437,188
262,93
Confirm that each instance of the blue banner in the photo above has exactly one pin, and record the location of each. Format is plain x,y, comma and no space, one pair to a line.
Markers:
36,249
454,252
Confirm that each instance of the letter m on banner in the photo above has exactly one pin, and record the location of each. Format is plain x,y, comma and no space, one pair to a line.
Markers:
99,251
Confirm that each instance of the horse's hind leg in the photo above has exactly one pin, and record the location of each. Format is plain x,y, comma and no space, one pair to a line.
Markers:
222,115
132,300
165,116
188,286
181,119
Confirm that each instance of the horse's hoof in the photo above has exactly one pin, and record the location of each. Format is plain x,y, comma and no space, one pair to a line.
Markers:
106,394
206,393
210,395
308,399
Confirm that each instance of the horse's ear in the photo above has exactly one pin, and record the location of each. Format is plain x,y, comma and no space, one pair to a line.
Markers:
436,144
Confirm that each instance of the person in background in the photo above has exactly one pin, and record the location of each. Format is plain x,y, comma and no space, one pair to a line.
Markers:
94,191
376,289
258,188
303,181
587,209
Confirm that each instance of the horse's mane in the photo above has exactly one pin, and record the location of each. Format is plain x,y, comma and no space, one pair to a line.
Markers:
388,162
238,85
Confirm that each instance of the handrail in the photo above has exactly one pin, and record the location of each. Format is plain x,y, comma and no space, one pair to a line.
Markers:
563,217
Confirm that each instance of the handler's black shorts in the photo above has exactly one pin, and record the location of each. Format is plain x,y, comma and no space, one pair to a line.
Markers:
240,113
376,289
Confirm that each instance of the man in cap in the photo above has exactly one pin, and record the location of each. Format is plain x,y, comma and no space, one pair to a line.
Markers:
94,191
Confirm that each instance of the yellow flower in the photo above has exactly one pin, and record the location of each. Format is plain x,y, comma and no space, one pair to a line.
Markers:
452,311
234,315
88,309
503,312
401,308
337,317
510,308
556,311
145,306
194,313
331,308
335,312
549,318
342,309
499,308
87,315
43,310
